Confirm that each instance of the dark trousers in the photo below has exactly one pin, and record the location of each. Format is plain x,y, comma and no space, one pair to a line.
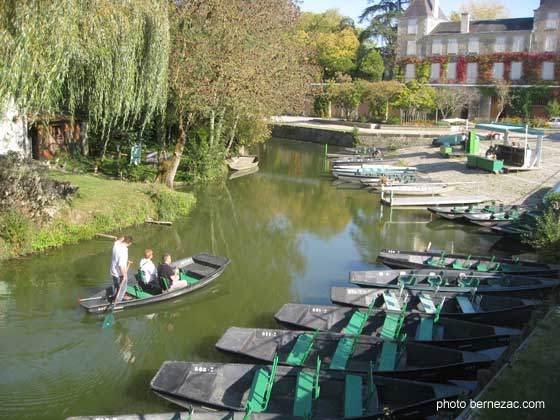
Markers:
116,283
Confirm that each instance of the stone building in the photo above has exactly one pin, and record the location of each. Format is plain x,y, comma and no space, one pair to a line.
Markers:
522,52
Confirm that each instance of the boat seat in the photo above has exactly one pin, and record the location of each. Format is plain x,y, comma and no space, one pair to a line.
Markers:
390,326
344,350
388,357
137,292
436,262
485,267
259,395
163,283
407,280
427,303
425,329
495,282
356,323
353,402
461,265
301,349
303,402
183,275
469,282
391,301
435,280
497,267
465,305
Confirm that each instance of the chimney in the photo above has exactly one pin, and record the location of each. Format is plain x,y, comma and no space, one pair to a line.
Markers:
436,8
465,23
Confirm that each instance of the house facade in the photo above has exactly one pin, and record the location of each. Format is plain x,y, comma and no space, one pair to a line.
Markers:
522,52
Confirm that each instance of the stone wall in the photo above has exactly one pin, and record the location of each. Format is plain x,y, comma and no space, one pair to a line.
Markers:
13,131
341,138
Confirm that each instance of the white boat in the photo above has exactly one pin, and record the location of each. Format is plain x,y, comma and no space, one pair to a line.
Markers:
415,189
242,163
365,167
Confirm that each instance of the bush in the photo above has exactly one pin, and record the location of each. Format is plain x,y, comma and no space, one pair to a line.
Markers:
355,137
170,204
14,230
321,106
394,120
546,236
538,123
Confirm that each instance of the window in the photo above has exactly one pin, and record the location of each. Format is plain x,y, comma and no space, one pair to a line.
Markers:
435,71
550,43
472,72
515,71
547,70
518,44
412,27
552,20
436,46
452,46
410,72
451,71
500,44
498,71
473,46
410,47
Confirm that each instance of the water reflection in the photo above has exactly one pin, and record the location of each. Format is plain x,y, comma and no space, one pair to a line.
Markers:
290,236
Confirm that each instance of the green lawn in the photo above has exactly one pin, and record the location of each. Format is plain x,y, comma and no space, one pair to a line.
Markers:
533,376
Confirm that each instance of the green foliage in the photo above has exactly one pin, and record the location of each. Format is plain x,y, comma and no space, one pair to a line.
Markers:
395,120
546,236
201,160
14,228
380,95
415,96
321,106
105,61
370,65
171,204
348,96
553,108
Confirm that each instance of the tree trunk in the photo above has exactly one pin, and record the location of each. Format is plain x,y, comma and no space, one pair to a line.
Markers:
386,111
104,147
220,124
168,168
232,135
84,146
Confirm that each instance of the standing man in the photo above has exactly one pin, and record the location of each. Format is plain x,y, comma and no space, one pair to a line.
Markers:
119,266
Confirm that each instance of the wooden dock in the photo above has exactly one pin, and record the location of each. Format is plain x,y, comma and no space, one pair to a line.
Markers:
431,201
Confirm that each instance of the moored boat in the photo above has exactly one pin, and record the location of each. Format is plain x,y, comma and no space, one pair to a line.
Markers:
484,283
486,309
294,391
446,332
458,212
198,271
416,189
356,354
242,163
442,261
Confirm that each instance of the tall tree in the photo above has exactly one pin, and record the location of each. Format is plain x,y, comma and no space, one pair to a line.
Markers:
105,60
382,17
232,61
481,10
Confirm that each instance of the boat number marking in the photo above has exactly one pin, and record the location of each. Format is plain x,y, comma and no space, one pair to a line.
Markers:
269,333
319,310
204,369
358,291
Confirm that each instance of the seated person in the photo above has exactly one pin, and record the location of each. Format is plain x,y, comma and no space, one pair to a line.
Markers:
170,273
150,275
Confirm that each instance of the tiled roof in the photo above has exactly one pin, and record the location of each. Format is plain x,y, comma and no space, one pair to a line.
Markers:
420,8
494,25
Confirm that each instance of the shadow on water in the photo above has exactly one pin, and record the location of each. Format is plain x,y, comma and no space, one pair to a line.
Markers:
290,236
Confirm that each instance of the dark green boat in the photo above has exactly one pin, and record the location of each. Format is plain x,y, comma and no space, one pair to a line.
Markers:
415,361
297,392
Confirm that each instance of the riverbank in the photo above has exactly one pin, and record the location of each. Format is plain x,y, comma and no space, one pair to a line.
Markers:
99,205
532,376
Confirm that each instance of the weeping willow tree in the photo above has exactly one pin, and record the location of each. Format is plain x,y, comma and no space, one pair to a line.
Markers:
105,60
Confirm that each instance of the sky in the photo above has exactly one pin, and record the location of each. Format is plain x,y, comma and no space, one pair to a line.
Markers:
353,8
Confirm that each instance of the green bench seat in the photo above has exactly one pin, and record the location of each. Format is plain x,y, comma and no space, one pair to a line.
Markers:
465,305
307,390
427,303
261,388
356,323
390,327
353,402
435,280
343,351
301,349
136,292
468,282
388,357
189,279
437,262
480,266
425,329
461,265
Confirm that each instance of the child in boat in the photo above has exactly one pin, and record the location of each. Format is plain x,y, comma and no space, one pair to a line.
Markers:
172,274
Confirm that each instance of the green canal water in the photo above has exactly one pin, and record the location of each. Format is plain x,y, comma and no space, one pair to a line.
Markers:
290,235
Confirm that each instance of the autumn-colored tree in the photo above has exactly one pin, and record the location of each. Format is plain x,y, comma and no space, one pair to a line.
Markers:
481,10
231,61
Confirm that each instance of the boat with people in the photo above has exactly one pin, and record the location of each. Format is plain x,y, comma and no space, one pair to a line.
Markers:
242,163
415,361
388,325
489,282
468,306
198,271
295,392
483,264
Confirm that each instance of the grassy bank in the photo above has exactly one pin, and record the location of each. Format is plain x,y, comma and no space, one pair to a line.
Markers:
533,376
100,205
